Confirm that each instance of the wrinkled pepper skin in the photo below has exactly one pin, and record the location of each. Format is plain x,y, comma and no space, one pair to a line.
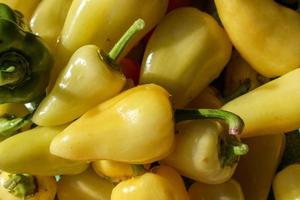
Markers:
186,52
237,72
68,100
29,153
25,7
267,38
48,19
135,127
46,189
84,186
272,108
29,57
167,183
104,23
230,190
196,154
256,170
287,182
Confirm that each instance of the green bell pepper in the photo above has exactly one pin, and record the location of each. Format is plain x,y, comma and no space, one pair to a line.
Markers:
25,61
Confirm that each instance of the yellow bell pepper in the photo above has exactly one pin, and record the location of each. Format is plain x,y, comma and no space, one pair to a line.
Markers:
100,79
84,186
264,32
48,20
28,152
237,72
256,170
230,190
286,183
164,184
102,23
186,52
25,7
116,171
208,98
134,127
271,108
204,152
22,186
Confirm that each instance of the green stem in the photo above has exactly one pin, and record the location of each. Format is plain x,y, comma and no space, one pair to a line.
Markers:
9,124
235,123
138,170
242,89
231,149
137,26
20,185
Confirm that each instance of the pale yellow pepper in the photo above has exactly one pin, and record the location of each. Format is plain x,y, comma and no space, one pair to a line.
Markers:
264,32
28,152
271,108
164,184
230,190
48,19
256,170
102,23
116,171
185,53
202,152
286,183
135,126
26,7
84,186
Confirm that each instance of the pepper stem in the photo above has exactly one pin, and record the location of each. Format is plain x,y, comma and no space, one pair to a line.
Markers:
231,150
235,123
9,124
20,185
138,170
137,26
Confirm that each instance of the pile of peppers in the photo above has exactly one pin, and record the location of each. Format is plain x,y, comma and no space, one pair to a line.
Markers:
149,99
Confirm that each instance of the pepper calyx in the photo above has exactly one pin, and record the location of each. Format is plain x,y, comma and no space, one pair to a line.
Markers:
21,185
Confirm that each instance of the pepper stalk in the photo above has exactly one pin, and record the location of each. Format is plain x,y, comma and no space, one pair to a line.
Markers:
230,146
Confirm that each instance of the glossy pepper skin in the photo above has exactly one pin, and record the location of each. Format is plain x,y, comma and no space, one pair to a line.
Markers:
48,19
24,59
256,170
68,100
167,183
25,7
105,21
199,152
230,190
100,79
187,51
287,182
32,154
44,188
262,45
135,126
85,186
272,108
